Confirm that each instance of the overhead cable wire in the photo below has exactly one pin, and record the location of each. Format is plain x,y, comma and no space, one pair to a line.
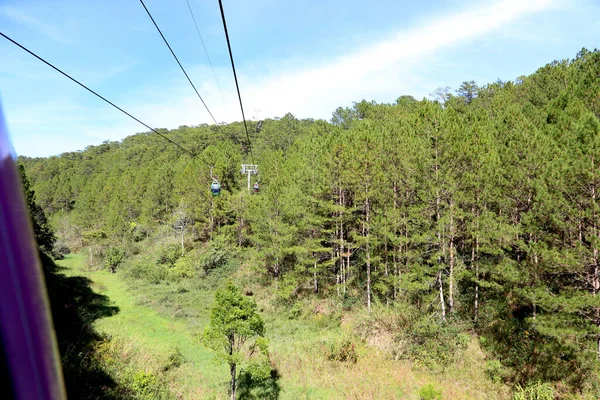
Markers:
96,94
205,51
180,66
236,80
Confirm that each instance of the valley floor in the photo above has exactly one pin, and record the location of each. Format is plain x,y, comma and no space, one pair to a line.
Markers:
149,333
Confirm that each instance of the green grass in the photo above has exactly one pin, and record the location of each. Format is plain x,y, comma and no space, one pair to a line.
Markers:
155,318
152,333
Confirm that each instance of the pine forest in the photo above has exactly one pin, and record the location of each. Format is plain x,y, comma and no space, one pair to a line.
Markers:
456,239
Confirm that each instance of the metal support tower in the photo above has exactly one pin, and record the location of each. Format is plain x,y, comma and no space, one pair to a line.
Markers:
249,169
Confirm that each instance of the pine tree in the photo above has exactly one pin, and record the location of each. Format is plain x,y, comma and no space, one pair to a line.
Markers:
234,321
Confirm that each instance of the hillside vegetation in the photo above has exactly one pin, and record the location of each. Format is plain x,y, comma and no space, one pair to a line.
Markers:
426,231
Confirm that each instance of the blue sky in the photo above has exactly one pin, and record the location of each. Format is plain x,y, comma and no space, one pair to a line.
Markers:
304,57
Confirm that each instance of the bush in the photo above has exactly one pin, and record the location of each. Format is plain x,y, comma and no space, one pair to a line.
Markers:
175,360
434,344
60,250
536,391
154,274
495,371
295,311
393,320
145,385
346,352
215,255
138,232
259,380
114,257
429,392
169,255
186,266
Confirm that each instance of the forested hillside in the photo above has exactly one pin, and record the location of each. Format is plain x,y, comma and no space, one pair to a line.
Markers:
477,212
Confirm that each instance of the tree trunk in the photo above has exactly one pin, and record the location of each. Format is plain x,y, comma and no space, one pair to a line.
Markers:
396,250
476,250
182,236
368,250
596,277
451,283
240,231
368,276
211,218
233,384
395,261
315,278
475,261
442,296
439,236
276,273
342,267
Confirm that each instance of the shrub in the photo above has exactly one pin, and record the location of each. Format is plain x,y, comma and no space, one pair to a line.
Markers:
169,254
145,384
154,274
60,250
429,392
186,266
175,360
346,352
295,311
114,257
536,391
434,344
495,371
259,380
394,320
215,255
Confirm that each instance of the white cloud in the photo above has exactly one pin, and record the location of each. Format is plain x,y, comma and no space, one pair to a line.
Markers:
386,69
381,71
43,28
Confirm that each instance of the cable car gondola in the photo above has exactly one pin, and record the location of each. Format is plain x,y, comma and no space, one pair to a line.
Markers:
215,188
255,187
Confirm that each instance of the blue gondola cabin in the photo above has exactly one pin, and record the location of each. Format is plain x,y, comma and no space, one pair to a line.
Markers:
215,188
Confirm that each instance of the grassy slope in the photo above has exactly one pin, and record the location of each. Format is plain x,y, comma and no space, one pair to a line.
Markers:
146,329
298,347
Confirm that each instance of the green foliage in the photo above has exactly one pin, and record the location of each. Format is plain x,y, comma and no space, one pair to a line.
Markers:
495,370
44,235
145,385
259,381
344,352
536,391
234,321
149,272
215,255
296,310
429,392
476,209
187,266
175,360
113,258
433,344
60,250
168,255
259,377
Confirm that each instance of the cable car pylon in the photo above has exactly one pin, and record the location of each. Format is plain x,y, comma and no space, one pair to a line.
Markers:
250,169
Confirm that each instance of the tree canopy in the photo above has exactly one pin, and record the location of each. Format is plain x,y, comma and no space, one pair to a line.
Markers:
480,208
